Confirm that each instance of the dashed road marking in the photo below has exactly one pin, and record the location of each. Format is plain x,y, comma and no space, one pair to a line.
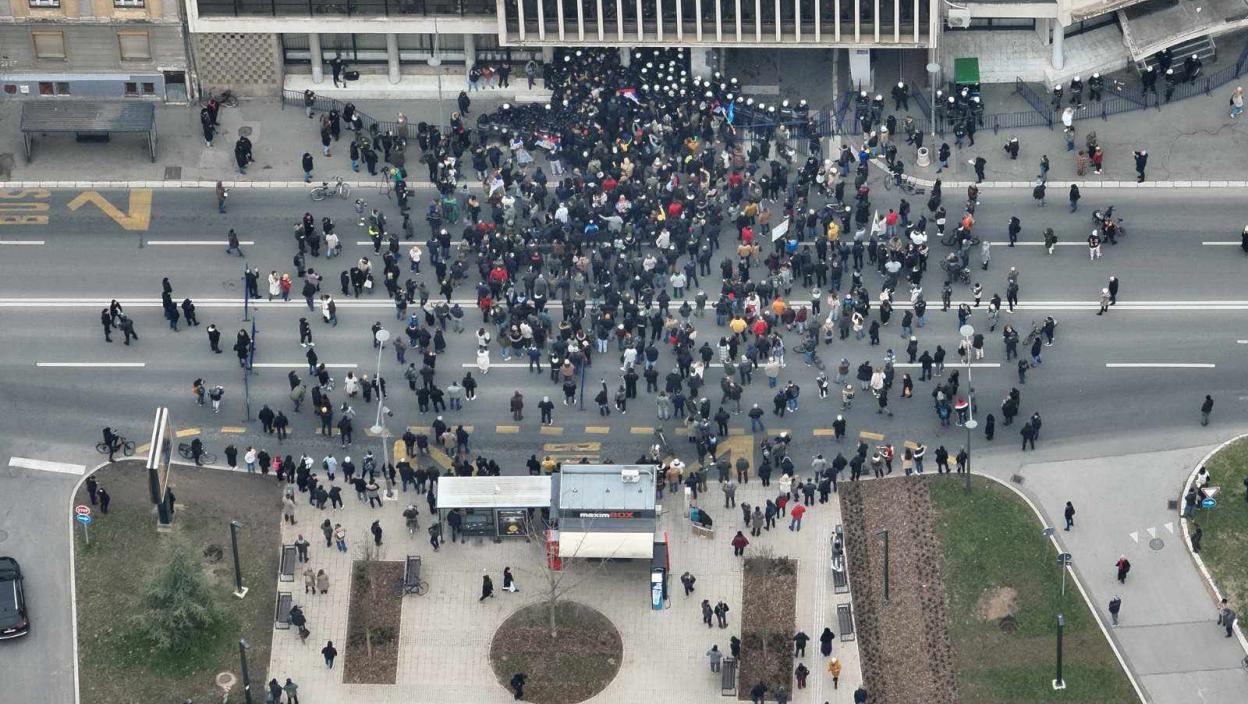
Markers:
187,432
507,429
640,430
233,429
598,430
194,243
80,365
1160,365
550,430
32,243
298,365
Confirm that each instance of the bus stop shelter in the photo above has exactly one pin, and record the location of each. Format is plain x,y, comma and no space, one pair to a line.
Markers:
88,120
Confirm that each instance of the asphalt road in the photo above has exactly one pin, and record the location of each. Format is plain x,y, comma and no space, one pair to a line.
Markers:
1180,305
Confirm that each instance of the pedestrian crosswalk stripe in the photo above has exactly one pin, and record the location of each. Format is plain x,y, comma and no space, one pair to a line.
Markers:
508,429
187,432
641,430
550,430
823,432
597,429
233,429
868,435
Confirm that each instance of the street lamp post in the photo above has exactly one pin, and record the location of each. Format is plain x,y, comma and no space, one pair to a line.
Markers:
967,332
239,590
933,68
1059,683
884,532
379,429
243,646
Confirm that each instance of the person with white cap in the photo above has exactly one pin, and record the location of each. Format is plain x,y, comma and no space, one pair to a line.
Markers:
1104,302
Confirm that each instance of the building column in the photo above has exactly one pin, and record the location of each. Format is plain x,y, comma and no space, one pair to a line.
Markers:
470,51
318,65
1059,33
392,57
702,62
626,56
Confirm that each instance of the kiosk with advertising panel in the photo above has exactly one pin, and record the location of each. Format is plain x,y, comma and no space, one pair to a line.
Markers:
493,507
606,511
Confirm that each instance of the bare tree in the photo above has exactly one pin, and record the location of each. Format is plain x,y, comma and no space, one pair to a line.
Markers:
370,588
555,584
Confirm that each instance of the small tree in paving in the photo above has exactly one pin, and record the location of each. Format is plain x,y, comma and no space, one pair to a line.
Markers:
179,603
767,616
555,584
371,590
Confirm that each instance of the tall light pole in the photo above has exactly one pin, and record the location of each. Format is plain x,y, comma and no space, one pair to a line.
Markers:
967,332
933,69
239,590
378,429
243,647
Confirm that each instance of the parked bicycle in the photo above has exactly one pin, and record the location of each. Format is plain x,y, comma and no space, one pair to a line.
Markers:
339,188
226,99
124,446
184,449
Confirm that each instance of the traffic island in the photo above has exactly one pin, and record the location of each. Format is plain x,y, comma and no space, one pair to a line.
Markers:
570,663
1223,543
768,611
1004,591
374,621
974,594
157,615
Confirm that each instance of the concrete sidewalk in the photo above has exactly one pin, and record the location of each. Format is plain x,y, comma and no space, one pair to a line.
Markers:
1191,142
1167,627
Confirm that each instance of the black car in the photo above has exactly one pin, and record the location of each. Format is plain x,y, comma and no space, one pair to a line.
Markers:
13,618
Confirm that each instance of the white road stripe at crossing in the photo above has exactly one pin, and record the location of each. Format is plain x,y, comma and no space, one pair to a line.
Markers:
110,365
46,466
195,243
1220,243
299,365
1160,365
25,242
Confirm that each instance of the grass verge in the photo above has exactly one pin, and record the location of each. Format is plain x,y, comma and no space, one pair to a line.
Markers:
116,665
1224,544
374,621
579,662
997,566
768,611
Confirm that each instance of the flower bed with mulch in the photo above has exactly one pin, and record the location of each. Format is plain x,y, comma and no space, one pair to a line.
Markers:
373,623
904,645
768,611
578,661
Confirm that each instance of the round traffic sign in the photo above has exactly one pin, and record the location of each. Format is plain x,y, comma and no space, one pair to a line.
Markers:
84,519
82,510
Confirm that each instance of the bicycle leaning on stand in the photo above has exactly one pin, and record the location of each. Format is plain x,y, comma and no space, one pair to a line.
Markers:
339,188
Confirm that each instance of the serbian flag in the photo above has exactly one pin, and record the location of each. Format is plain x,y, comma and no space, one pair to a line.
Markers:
630,93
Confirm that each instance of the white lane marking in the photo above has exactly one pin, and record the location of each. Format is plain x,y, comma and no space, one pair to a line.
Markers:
956,365
796,361
1241,342
299,365
1006,243
385,244
195,243
46,466
1159,365
1220,243
128,365
26,242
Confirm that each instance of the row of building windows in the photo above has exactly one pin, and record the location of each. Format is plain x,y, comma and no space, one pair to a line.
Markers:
131,88
116,3
131,46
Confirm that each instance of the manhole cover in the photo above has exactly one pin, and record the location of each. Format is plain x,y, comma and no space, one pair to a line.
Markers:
244,131
1008,624
226,680
1156,543
173,173
4,535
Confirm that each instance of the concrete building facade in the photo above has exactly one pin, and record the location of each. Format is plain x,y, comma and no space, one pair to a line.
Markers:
93,48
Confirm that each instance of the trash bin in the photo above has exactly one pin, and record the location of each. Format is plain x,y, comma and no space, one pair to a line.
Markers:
924,157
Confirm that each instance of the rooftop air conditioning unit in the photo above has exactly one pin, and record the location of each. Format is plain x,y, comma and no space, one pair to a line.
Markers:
958,18
630,476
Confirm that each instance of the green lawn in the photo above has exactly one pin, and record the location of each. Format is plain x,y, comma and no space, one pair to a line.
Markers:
1224,545
992,544
117,666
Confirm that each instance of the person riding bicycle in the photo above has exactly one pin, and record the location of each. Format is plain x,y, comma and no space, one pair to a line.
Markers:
197,452
112,441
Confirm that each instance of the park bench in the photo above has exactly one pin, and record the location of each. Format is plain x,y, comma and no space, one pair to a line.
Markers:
728,677
286,565
281,616
840,568
411,576
845,619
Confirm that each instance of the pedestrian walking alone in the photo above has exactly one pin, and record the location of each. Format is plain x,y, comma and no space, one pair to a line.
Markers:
329,652
1226,618
1205,409
1124,566
1115,605
1069,513
487,587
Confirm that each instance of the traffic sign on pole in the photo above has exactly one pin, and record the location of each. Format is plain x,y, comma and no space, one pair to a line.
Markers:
82,510
84,519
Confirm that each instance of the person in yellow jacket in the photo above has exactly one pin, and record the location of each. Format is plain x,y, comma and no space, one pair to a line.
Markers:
834,668
834,231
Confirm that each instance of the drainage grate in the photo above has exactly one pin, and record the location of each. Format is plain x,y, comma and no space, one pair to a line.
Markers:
1156,543
244,131
1172,505
1016,478
173,173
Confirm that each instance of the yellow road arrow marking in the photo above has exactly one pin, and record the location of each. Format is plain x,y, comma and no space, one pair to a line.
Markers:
139,217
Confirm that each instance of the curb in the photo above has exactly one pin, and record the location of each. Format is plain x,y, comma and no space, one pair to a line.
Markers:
73,575
1187,538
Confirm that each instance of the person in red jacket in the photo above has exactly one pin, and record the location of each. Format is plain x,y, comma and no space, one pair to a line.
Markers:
795,517
739,541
